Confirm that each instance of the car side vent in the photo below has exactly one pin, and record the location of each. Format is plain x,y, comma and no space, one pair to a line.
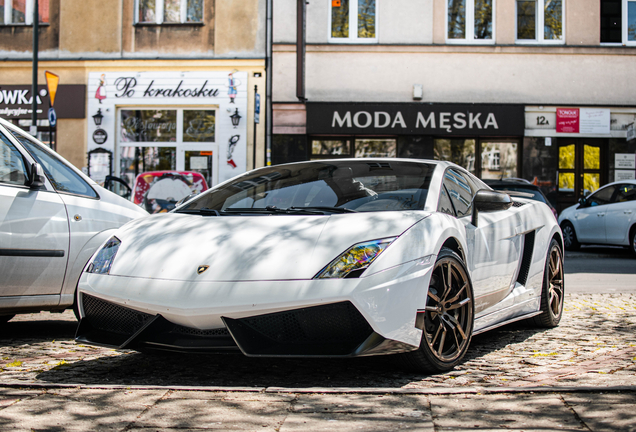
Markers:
517,204
526,257
378,165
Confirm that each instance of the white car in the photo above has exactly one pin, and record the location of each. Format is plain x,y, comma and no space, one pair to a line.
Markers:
52,220
346,257
608,216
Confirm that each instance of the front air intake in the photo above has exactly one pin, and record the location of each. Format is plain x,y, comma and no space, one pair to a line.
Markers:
332,330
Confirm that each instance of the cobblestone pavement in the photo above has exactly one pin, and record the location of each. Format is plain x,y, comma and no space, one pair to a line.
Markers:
594,346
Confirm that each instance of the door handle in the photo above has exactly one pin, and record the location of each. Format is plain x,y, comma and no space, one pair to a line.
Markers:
628,212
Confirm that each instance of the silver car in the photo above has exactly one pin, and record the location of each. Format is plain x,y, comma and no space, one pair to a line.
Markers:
52,219
608,216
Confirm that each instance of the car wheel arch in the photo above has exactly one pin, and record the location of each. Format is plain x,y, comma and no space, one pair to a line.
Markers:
454,244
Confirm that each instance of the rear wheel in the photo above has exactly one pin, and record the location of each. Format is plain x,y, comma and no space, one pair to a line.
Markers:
632,241
569,236
553,291
448,317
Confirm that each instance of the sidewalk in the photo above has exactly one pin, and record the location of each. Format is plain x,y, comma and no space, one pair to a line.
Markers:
259,410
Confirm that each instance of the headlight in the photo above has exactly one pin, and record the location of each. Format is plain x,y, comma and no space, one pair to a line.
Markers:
105,257
355,261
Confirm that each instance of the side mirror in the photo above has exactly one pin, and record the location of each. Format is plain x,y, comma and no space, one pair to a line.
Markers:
583,202
36,178
489,201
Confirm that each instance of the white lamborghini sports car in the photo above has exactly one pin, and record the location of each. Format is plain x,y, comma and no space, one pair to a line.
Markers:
332,258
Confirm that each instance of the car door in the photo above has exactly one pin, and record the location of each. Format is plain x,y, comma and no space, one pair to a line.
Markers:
34,232
493,253
589,218
620,214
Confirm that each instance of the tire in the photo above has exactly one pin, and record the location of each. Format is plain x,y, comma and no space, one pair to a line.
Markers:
553,291
570,241
5,318
632,241
446,335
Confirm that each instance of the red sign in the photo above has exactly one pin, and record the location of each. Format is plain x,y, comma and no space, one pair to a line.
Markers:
567,120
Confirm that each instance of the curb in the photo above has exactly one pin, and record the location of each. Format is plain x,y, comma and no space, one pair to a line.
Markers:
335,390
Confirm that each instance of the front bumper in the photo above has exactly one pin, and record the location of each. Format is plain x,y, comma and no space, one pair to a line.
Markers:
343,317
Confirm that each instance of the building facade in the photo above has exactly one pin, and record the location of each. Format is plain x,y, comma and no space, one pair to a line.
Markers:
538,89
144,85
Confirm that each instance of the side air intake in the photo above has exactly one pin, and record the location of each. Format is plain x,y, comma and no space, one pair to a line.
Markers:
526,258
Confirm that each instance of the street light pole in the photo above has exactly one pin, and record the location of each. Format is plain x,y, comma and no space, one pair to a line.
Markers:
34,85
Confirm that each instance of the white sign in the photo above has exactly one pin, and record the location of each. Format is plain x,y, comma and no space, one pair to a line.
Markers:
620,175
594,121
624,161
630,133
548,142
198,162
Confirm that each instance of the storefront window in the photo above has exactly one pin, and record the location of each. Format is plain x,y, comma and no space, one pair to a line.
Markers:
148,125
621,151
499,159
199,125
376,147
330,148
459,151
540,162
137,160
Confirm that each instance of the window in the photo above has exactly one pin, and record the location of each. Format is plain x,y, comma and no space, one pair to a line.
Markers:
625,192
12,169
353,21
470,21
540,21
332,148
169,11
21,11
604,196
461,194
618,21
62,177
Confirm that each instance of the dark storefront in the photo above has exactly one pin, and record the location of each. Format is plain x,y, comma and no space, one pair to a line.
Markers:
485,139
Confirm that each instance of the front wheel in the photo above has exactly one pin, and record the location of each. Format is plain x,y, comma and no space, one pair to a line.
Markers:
553,290
632,241
447,323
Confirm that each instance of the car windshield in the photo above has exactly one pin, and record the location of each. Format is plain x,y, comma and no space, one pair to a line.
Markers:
321,187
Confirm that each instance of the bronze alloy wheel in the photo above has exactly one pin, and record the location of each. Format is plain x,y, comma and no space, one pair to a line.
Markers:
448,317
553,292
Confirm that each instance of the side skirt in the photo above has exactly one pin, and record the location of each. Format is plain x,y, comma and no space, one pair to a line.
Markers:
510,321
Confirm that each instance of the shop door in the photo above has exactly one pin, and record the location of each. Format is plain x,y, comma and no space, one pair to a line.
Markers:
580,169
204,162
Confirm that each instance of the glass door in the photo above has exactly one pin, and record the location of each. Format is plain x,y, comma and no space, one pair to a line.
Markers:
579,173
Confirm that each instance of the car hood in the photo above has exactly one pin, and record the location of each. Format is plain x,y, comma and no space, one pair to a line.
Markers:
281,247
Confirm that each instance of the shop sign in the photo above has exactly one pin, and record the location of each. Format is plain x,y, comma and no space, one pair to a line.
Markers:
594,121
567,120
16,101
620,175
100,136
624,161
415,119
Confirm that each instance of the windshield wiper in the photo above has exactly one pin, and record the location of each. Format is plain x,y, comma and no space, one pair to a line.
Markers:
202,212
325,209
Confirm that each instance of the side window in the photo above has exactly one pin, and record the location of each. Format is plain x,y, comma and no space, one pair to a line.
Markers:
626,192
461,194
63,178
12,168
603,196
445,205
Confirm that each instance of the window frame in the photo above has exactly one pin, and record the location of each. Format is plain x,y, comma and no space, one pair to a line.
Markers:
470,26
539,26
625,23
353,25
159,14
28,14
